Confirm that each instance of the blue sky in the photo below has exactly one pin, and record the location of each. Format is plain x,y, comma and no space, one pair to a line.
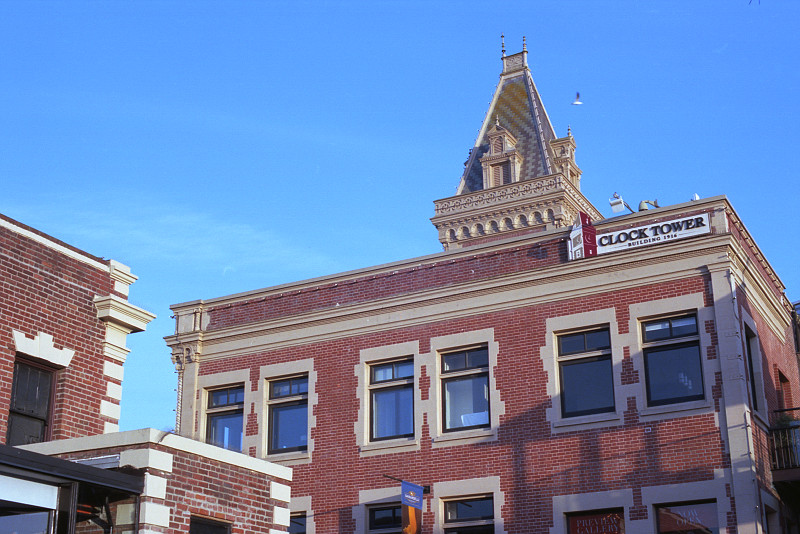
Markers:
218,147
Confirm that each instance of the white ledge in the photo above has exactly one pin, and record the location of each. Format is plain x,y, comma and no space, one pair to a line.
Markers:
116,310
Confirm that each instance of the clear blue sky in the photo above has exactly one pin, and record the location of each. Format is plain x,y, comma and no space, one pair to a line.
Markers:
218,147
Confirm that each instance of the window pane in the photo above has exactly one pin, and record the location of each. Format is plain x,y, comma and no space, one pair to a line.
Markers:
280,388
31,390
597,340
25,523
385,517
392,412
700,518
225,397
299,386
207,526
297,524
453,362
469,510
655,330
289,427
674,374
466,402
684,326
404,369
478,358
599,522
571,343
587,386
23,430
225,430
381,373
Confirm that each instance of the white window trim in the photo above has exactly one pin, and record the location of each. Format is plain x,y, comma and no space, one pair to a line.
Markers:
275,371
705,490
550,361
451,343
758,369
645,311
464,489
206,383
372,497
587,502
367,358
303,504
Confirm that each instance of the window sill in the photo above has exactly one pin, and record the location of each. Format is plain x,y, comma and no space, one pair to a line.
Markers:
289,458
568,423
677,407
389,446
476,435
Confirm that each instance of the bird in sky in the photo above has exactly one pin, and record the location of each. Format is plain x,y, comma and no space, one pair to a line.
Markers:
577,101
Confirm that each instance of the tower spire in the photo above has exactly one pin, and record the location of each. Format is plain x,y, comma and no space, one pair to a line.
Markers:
503,44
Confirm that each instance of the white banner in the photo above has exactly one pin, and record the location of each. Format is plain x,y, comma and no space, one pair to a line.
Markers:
652,234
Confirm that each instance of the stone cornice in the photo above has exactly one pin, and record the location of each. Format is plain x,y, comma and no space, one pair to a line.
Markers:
121,313
564,281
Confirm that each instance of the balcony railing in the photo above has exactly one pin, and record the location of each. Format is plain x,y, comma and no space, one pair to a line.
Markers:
784,439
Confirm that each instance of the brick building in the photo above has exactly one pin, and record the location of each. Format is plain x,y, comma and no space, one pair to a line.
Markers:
64,319
539,376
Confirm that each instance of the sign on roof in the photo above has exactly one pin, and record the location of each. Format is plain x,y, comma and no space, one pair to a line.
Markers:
652,234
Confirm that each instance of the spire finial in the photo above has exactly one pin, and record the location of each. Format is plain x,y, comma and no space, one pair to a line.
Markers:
524,44
503,44
569,131
497,120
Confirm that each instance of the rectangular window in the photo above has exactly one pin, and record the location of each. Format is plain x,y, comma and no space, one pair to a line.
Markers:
474,515
288,414
297,523
201,525
392,400
672,363
225,421
752,349
30,408
465,387
586,373
386,519
687,518
596,522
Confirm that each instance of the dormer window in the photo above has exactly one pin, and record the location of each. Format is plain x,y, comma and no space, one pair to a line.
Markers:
501,165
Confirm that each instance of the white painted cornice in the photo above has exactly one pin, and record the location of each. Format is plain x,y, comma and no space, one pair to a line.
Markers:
118,311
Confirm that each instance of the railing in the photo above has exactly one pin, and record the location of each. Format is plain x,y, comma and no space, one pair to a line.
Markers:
784,439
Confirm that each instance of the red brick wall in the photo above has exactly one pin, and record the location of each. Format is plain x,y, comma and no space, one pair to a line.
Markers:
534,464
43,290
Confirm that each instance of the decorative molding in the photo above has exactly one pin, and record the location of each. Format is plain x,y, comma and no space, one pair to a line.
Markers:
118,311
42,347
498,195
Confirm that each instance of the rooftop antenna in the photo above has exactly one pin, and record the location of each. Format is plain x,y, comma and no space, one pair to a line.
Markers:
503,44
524,44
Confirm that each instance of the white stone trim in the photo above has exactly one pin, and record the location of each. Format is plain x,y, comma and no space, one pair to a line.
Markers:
142,458
113,309
371,497
153,436
280,492
433,406
113,370
114,391
281,516
151,513
109,409
564,504
689,492
368,357
303,504
206,383
110,428
122,276
154,486
455,489
42,347
48,242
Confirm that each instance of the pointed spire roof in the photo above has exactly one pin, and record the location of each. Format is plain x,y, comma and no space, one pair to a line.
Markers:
517,107
519,177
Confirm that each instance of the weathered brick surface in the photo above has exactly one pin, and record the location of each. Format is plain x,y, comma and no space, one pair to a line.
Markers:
44,290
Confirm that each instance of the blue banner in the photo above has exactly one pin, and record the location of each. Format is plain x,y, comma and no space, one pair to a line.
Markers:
411,495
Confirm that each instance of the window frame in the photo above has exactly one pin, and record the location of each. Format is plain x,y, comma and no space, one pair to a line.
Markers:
671,342
395,383
659,506
395,507
467,524
585,355
15,413
274,403
228,409
465,373
223,527
294,516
